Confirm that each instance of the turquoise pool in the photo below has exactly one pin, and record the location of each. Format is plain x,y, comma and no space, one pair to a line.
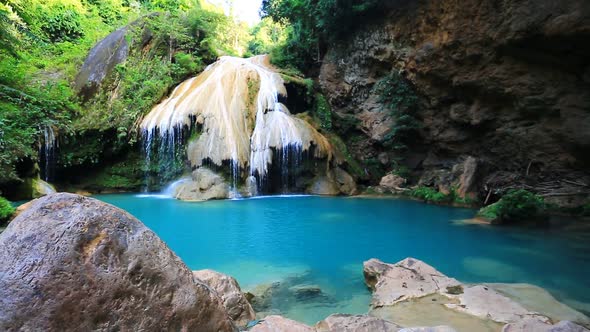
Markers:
323,242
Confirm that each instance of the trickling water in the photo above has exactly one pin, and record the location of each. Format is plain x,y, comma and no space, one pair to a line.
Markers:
170,190
47,153
239,124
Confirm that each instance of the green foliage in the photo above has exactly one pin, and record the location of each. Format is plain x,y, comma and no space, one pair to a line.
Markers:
61,22
311,25
429,195
323,111
490,212
516,205
353,166
398,97
267,35
44,43
6,210
401,170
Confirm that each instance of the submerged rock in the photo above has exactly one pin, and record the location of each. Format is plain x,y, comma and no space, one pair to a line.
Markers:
535,325
205,185
355,323
75,263
227,288
306,292
537,299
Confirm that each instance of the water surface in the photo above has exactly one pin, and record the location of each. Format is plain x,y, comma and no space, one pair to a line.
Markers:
322,242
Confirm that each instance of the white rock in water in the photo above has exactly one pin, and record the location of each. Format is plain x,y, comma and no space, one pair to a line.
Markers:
412,278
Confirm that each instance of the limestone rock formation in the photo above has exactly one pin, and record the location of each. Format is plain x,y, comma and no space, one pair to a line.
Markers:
355,323
504,82
236,101
280,324
204,185
392,183
75,263
413,284
227,288
336,182
324,185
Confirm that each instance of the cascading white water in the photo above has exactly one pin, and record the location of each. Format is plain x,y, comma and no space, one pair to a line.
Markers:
236,101
47,152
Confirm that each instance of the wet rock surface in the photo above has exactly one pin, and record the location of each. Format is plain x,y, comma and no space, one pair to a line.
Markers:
413,288
236,304
75,263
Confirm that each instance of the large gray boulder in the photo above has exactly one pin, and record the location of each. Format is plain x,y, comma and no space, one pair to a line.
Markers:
236,304
74,263
101,61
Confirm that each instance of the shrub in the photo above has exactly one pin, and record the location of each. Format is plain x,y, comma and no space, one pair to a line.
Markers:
429,194
6,209
516,205
323,111
62,23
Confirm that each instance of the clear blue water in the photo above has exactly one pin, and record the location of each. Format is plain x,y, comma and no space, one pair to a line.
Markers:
324,241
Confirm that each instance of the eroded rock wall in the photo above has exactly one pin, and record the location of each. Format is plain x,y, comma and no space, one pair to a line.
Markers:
505,82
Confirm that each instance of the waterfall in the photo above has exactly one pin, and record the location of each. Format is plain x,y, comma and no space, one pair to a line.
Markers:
47,153
235,102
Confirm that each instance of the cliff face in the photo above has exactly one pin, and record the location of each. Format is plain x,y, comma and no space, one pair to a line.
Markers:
505,82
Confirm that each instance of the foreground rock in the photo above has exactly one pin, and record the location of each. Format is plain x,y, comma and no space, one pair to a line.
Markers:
227,288
280,324
414,285
75,263
355,323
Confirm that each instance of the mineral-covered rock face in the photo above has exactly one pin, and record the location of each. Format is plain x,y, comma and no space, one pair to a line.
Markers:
392,183
75,263
505,82
228,289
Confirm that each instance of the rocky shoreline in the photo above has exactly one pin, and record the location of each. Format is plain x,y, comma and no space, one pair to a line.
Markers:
74,262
